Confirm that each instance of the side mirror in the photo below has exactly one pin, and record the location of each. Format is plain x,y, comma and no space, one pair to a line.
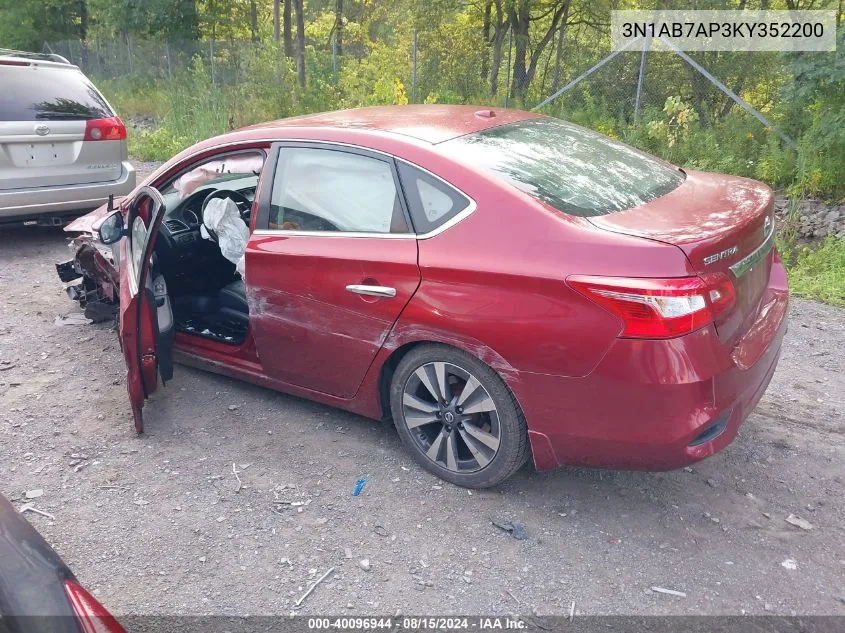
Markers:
111,228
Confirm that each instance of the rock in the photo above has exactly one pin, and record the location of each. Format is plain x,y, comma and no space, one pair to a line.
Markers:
34,494
364,564
233,407
789,564
669,592
797,521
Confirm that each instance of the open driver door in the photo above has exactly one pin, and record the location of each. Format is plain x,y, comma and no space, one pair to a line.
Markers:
146,317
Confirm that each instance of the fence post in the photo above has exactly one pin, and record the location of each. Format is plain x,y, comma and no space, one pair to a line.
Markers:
334,55
97,53
167,56
508,73
211,59
414,73
129,53
640,80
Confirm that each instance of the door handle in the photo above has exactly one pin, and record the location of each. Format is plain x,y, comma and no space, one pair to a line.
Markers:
372,291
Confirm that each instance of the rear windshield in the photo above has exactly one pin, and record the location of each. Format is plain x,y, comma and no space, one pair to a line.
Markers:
566,166
40,93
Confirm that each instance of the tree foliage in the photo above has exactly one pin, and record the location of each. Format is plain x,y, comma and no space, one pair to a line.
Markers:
303,55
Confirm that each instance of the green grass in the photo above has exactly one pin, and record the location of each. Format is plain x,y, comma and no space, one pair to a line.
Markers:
818,272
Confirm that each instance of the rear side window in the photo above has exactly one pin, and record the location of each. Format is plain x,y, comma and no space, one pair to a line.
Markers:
430,200
568,167
40,93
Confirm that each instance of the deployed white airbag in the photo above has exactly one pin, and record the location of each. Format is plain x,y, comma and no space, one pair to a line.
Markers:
221,216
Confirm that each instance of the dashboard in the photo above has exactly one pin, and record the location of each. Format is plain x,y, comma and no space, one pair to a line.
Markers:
183,218
182,250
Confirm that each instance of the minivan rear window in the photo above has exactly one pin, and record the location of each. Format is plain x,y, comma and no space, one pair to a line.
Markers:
41,93
573,169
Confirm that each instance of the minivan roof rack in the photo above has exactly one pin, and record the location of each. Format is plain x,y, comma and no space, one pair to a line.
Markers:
45,57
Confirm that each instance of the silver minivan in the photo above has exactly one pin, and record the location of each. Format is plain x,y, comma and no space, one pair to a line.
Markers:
62,147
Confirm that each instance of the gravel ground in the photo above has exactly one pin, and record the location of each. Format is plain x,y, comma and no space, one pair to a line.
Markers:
159,524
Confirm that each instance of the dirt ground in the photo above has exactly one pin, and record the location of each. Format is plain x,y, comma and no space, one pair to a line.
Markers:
159,524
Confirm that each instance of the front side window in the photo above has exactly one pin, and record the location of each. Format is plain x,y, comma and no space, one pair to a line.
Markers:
331,190
573,169
231,171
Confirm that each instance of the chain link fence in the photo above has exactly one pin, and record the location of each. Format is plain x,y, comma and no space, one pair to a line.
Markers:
628,84
226,62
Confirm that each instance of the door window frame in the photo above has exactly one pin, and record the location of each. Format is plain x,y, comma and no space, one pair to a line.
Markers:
156,212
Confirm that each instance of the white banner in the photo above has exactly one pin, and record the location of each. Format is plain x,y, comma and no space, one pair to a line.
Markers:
691,30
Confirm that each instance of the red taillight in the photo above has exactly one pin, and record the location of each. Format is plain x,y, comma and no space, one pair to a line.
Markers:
12,62
105,129
91,615
659,308
721,293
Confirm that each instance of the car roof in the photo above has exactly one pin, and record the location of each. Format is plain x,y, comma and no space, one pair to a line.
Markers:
428,123
24,58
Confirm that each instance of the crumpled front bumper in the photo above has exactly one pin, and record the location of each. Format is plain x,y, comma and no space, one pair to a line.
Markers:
95,270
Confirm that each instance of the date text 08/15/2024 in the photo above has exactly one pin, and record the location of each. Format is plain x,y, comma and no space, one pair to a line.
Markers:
417,623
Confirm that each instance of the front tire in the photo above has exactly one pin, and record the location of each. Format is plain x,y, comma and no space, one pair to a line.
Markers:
457,417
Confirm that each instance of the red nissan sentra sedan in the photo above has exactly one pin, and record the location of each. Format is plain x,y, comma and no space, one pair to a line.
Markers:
500,283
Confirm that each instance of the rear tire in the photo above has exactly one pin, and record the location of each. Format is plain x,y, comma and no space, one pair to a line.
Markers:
457,417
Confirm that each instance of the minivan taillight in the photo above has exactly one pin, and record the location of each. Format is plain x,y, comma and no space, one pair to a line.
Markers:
91,615
111,129
659,308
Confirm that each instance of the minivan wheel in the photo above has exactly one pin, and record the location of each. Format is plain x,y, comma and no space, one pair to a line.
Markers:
457,416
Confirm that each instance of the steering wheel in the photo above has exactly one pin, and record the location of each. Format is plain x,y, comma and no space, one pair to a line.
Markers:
243,203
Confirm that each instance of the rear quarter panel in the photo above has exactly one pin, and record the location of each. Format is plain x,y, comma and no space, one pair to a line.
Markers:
496,280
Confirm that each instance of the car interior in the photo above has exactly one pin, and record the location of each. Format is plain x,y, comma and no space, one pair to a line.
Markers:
207,294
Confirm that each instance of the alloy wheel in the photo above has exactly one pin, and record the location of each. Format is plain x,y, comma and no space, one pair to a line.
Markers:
451,417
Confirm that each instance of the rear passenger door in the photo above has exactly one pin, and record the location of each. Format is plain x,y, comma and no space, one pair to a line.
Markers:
331,264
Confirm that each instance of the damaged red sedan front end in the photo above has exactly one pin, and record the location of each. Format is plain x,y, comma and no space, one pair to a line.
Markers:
94,266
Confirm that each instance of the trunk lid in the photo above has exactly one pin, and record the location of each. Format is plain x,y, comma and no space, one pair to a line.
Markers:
44,107
723,224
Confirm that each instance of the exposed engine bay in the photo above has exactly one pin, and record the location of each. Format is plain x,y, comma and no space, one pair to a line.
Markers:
198,253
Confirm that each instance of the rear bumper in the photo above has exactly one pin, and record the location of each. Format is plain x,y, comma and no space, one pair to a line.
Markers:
660,404
63,200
